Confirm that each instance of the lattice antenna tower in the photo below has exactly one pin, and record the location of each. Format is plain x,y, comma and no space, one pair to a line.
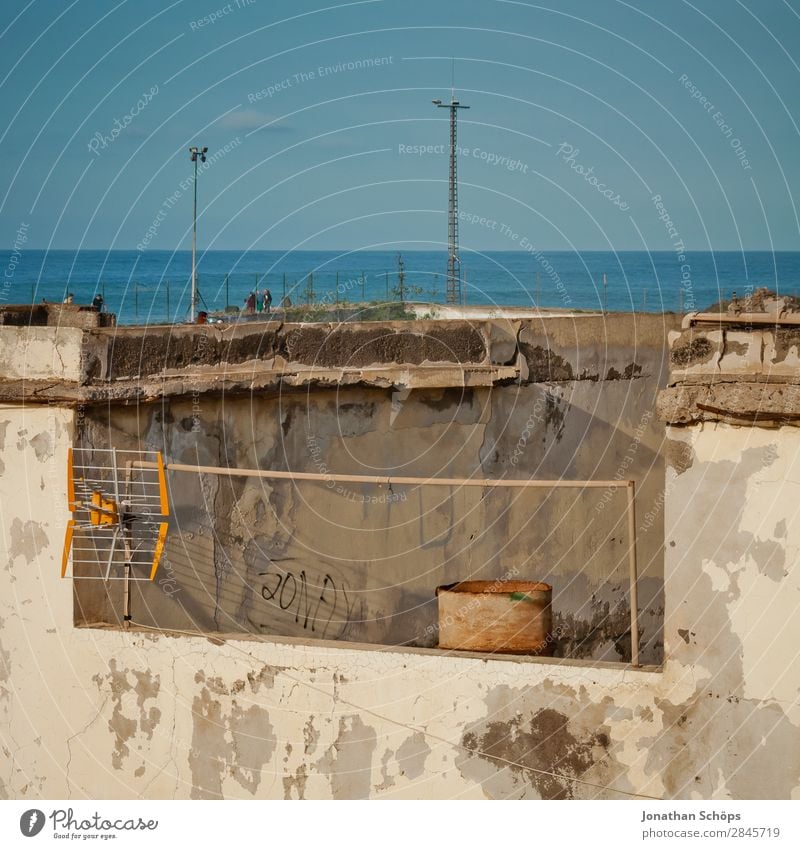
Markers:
453,292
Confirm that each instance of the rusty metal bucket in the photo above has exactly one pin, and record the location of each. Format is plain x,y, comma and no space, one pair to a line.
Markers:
513,617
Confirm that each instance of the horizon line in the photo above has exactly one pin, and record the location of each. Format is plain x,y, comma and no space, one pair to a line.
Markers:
344,251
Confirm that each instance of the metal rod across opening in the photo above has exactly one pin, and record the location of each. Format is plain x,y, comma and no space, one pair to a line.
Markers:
386,480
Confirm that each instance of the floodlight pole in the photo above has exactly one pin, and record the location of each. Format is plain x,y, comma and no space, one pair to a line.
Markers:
194,247
453,261
196,153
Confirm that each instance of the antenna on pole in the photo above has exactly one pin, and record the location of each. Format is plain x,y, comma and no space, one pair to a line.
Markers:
120,515
454,294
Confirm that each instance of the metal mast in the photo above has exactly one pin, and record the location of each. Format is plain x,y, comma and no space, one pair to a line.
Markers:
453,261
195,153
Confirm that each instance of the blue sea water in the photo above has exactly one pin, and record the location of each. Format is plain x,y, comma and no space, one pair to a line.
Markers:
154,286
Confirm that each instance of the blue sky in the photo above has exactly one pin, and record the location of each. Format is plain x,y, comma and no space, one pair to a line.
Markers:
594,124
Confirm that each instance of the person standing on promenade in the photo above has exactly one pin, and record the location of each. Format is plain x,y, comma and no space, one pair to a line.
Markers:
267,298
250,303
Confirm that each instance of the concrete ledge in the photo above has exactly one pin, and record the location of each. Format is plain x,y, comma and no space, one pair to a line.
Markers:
256,378
333,647
127,364
146,352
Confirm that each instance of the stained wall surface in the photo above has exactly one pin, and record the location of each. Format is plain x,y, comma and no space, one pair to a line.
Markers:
87,712
99,712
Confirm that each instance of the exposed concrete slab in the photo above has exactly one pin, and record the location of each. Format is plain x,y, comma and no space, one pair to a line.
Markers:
733,373
765,404
140,363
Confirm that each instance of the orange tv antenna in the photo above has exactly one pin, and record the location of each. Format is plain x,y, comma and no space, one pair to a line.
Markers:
120,510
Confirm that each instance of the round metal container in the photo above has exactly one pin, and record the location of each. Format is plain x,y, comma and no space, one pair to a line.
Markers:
513,617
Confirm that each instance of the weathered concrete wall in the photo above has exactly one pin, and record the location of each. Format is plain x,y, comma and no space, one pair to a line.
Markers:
361,563
40,353
107,714
733,373
145,363
54,315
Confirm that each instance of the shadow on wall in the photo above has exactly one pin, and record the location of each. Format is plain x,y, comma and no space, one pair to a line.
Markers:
361,563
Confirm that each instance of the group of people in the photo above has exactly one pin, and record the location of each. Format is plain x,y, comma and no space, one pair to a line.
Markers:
97,302
256,302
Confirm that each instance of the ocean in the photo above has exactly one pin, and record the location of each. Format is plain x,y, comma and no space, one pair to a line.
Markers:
154,286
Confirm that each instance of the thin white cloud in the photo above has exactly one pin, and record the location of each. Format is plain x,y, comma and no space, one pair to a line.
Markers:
251,119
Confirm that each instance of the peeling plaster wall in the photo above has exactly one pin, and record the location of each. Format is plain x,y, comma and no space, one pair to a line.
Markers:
108,714
733,599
